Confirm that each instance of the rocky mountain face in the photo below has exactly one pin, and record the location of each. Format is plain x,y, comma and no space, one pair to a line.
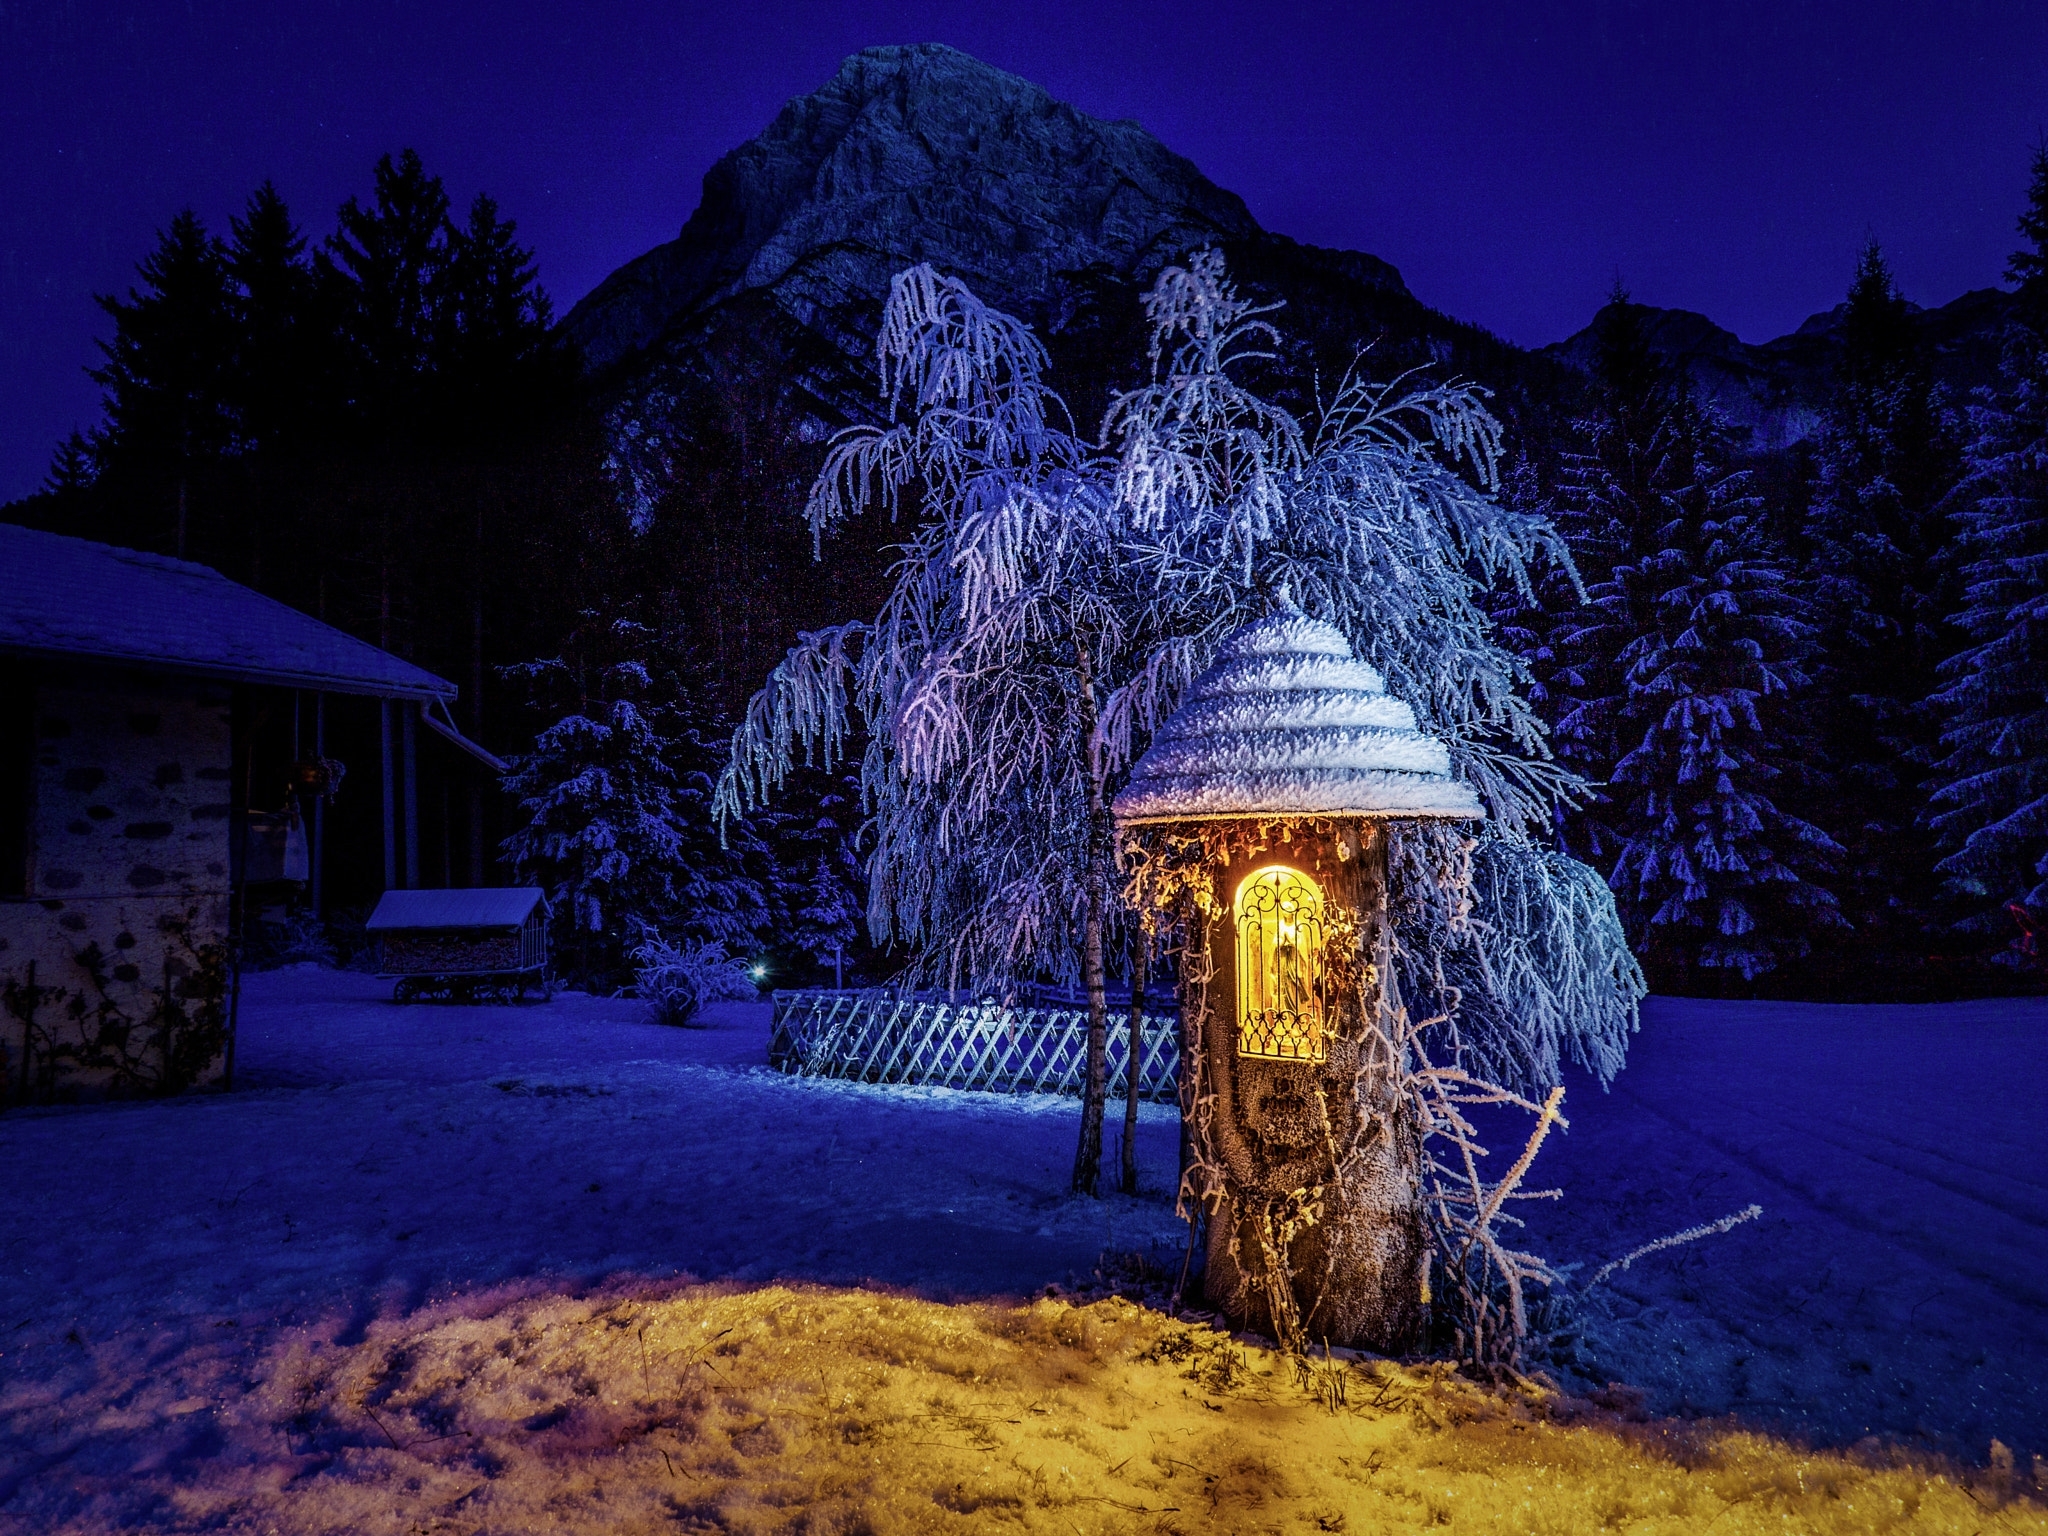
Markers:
1779,389
923,153
775,285
912,154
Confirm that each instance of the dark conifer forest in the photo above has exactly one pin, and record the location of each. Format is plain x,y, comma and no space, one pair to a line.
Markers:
1808,683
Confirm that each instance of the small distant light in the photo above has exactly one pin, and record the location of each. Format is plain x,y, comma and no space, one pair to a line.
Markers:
760,971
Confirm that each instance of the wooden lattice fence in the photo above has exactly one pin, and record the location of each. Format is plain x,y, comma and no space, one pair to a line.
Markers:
880,1036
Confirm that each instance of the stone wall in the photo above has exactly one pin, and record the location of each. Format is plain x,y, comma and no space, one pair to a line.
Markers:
114,971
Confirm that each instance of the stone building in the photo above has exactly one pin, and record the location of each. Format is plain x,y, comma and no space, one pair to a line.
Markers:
135,693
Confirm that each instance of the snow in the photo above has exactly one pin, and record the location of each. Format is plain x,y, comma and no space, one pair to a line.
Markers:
1318,750
1294,791
484,907
1897,1283
1295,634
378,1160
373,1149
73,597
1295,711
1288,722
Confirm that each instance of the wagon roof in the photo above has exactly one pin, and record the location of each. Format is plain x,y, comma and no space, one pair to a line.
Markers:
492,908
61,596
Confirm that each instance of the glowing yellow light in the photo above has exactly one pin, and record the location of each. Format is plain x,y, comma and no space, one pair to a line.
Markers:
1279,915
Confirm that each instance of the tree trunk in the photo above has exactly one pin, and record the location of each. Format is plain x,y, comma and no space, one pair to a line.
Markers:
256,527
1332,1134
476,700
1141,962
1088,1156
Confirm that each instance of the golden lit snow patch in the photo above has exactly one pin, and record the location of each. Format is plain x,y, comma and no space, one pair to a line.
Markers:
830,1411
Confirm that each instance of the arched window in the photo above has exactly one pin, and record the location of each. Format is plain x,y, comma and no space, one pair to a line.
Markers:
1280,965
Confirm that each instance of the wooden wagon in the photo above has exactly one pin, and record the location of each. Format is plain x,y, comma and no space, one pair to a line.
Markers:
462,946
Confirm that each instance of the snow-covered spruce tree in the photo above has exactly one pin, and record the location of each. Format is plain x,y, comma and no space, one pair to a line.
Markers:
1679,680
1602,506
1059,596
616,800
1885,461
809,868
1991,795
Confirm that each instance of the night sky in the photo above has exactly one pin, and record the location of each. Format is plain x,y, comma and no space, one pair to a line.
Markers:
1725,158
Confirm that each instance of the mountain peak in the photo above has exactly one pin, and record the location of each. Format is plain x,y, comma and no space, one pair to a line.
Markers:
1778,389
913,153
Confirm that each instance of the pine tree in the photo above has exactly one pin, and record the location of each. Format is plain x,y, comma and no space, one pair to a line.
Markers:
388,267
2028,268
1885,461
1677,678
723,880
498,307
281,353
1991,794
165,380
811,866
1606,507
447,371
73,467
498,366
282,383
614,798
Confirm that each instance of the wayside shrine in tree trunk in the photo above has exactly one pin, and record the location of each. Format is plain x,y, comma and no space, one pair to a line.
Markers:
1260,819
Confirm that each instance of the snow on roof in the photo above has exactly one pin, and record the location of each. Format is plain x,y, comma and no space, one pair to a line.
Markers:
61,596
493,908
1289,723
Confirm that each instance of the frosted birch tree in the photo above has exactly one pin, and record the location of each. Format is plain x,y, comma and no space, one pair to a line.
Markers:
1058,595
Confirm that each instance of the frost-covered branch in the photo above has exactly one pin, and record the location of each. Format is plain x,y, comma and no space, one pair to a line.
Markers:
1727,1223
1042,559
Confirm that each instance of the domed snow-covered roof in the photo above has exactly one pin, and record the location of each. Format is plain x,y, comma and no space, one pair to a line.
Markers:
1289,723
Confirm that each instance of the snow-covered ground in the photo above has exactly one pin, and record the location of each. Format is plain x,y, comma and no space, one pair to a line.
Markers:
1897,1282
374,1154
377,1158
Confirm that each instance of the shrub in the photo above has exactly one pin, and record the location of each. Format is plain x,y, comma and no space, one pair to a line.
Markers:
678,980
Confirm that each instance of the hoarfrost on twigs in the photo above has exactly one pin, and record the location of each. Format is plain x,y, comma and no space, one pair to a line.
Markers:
1060,595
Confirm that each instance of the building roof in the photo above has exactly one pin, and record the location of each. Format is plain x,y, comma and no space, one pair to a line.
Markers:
70,597
495,908
1289,723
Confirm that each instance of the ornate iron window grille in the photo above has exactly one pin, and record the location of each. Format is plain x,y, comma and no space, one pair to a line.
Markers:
1280,965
